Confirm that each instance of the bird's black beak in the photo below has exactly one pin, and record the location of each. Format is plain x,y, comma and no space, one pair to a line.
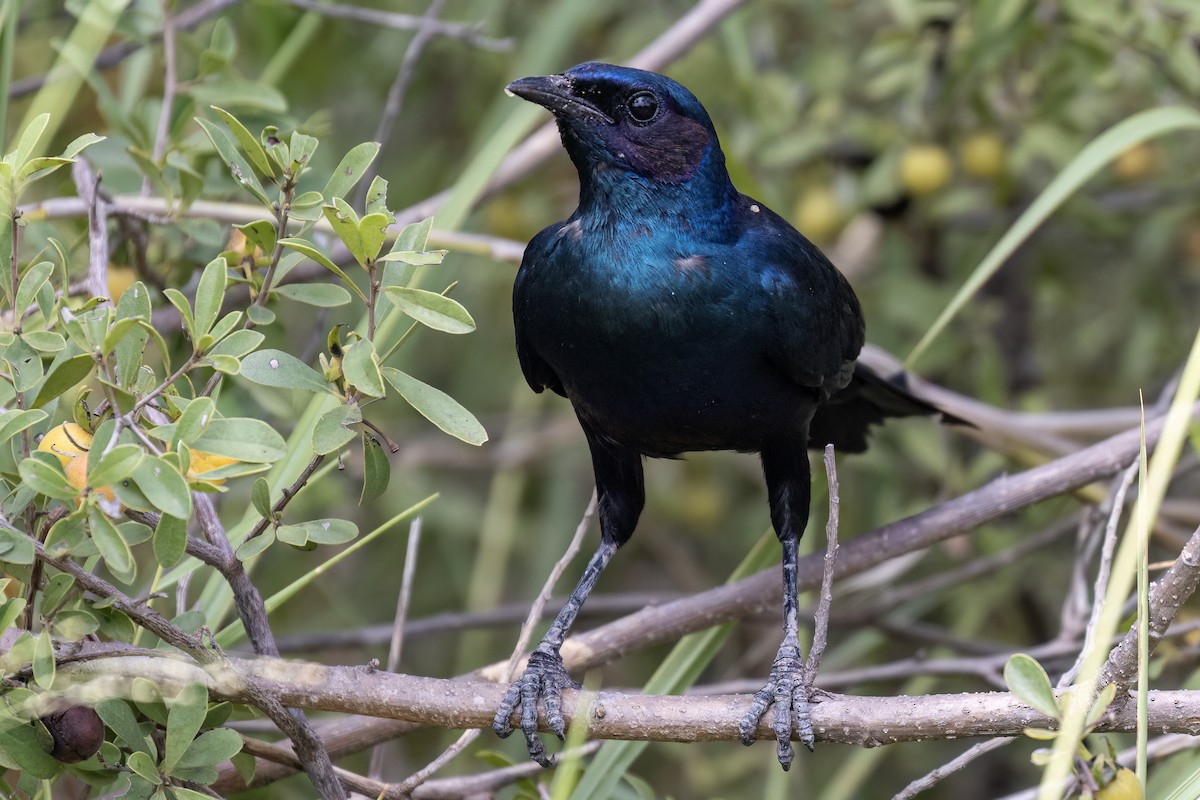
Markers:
556,93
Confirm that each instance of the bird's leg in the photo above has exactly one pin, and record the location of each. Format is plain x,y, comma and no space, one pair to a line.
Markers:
786,688
786,469
546,676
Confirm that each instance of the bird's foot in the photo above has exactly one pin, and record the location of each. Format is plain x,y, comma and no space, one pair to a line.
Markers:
545,677
788,692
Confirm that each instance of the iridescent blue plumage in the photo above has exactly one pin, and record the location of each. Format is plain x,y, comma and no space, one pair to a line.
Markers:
678,315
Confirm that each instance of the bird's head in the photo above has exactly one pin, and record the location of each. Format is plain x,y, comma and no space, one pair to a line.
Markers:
629,120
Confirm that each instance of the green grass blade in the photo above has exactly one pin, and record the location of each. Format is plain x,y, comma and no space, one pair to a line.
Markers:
75,58
1158,476
1143,618
509,120
1099,153
678,671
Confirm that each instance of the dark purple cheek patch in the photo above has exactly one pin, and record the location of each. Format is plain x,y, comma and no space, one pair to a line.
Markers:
670,153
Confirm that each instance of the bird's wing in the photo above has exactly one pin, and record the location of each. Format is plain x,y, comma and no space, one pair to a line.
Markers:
815,320
538,374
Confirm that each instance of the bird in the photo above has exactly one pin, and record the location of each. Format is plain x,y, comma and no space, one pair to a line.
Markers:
679,315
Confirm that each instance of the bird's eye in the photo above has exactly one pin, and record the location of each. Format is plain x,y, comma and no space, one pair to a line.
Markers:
643,107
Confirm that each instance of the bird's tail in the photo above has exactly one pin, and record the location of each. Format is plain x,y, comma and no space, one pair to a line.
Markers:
845,419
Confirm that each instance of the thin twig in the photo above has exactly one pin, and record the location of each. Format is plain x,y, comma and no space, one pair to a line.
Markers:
812,664
468,33
161,133
531,621
396,648
87,183
1102,574
931,779
399,88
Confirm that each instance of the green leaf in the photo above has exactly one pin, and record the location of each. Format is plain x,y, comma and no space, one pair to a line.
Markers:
44,667
431,309
29,139
13,421
438,407
309,250
117,330
78,144
295,536
194,421
344,221
333,430
252,547
170,540
130,351
211,748
414,236
64,376
260,233
360,363
144,767
227,364
322,295
249,440
118,716
37,168
210,293
307,206
416,258
260,315
282,370
113,549
250,146
330,531
183,723
376,199
237,344
114,466
377,470
15,548
260,497
31,283
46,479
1026,678
242,173
180,302
351,169
44,341
163,486
372,232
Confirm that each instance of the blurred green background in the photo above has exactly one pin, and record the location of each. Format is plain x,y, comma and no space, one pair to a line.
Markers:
904,137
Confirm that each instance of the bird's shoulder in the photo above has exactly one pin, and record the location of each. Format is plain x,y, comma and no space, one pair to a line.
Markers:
815,318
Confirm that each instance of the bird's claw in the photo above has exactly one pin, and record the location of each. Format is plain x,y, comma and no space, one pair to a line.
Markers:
787,691
545,677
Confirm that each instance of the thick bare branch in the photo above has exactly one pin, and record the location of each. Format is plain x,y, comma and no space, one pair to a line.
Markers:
458,704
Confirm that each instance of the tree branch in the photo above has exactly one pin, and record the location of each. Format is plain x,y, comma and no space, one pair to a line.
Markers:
458,704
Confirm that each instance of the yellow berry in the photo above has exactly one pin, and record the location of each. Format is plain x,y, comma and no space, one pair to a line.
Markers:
983,155
1125,786
76,470
1136,163
120,278
66,441
817,214
924,169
